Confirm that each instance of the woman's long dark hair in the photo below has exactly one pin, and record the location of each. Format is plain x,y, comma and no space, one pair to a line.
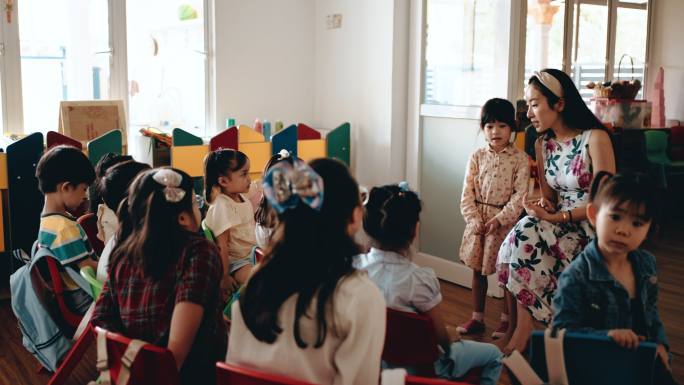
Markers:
576,114
310,253
150,235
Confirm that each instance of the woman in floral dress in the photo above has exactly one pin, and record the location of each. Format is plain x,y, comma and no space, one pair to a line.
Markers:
572,147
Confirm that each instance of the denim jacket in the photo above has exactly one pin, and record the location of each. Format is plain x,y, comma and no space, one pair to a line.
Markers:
589,298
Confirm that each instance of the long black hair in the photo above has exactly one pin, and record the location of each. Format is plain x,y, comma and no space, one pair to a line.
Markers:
218,163
311,252
576,114
150,235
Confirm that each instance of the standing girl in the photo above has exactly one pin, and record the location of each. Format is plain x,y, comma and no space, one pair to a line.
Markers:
572,147
495,182
231,215
306,313
163,283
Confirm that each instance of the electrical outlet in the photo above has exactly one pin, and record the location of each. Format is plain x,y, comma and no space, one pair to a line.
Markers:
333,21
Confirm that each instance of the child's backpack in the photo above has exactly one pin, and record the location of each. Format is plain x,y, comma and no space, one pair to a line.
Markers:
41,334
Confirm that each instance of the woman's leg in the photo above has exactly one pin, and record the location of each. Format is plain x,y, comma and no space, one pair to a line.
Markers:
522,332
510,305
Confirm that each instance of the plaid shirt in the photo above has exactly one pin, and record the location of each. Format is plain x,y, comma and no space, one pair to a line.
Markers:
141,307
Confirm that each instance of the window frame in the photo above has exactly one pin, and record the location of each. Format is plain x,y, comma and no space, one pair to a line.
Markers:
10,66
517,42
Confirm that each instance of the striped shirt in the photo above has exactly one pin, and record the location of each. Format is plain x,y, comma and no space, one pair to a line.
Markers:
66,238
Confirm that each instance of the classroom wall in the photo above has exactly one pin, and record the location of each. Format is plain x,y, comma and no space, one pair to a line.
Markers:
667,51
361,77
264,49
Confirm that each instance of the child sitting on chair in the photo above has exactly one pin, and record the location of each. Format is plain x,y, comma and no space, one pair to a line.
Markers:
612,286
64,174
391,221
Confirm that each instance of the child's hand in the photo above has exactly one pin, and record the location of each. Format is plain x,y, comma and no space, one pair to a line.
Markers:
662,354
479,229
491,226
454,334
229,285
546,205
625,338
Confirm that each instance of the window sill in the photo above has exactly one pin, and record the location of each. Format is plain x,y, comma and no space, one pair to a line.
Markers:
447,111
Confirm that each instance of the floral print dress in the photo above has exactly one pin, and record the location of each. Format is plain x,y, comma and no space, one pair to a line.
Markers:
536,251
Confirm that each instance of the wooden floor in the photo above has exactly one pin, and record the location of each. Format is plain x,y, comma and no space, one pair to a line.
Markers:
17,366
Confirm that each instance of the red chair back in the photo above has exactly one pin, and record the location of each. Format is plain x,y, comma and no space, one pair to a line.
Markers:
410,340
89,224
152,365
227,374
258,255
415,380
677,143
51,277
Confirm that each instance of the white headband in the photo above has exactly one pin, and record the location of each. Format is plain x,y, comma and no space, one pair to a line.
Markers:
549,81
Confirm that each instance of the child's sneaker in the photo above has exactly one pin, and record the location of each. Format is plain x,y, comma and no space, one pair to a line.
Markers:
473,326
501,330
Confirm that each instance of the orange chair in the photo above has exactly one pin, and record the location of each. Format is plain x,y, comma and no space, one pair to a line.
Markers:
411,341
89,224
227,374
152,365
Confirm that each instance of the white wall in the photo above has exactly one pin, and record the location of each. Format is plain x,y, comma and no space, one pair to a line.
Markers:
264,60
361,77
667,51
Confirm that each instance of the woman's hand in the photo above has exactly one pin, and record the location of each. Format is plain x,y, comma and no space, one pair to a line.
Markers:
625,338
534,209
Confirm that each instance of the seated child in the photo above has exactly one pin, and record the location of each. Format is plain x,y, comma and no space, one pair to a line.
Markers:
612,286
107,223
113,188
391,221
306,313
163,282
230,216
64,174
266,218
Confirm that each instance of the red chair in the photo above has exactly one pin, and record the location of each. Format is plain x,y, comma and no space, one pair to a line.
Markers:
415,380
411,341
152,365
227,374
89,224
73,358
677,143
67,319
258,255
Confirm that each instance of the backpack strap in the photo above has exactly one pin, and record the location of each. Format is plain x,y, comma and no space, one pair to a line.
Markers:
38,252
555,358
127,360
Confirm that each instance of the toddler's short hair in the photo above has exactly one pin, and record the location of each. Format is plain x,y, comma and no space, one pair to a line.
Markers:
63,164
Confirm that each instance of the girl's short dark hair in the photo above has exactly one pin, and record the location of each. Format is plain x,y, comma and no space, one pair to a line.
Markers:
63,164
633,188
391,217
114,185
218,163
149,235
498,109
576,114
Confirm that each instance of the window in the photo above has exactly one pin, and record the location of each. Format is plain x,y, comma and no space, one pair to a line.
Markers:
61,59
465,61
166,64
594,27
469,43
57,50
